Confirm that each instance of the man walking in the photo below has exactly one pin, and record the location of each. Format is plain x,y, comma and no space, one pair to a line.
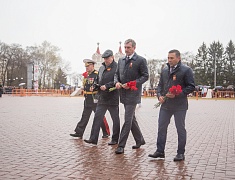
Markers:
106,100
174,74
130,68
89,104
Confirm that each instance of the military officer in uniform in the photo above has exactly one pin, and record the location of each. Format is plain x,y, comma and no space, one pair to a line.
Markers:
106,100
89,102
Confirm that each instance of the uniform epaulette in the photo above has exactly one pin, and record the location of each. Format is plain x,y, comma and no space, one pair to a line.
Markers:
96,72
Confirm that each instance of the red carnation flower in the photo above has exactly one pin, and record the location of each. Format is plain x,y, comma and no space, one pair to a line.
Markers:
131,85
176,90
85,74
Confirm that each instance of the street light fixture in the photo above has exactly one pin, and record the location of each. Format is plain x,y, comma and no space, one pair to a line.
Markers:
215,74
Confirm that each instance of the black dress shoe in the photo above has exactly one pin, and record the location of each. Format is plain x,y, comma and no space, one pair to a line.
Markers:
112,143
179,157
105,136
138,145
90,141
157,155
76,135
119,150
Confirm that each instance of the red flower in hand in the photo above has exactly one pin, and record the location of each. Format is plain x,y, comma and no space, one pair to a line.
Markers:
85,74
132,85
176,90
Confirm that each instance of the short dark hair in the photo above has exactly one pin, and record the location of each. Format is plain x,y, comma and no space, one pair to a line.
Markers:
177,53
133,43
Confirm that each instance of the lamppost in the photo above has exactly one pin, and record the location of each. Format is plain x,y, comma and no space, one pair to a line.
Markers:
215,73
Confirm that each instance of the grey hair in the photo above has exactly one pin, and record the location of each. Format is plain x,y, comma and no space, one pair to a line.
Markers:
133,43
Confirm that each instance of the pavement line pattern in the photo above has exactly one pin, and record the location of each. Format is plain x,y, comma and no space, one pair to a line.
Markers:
35,142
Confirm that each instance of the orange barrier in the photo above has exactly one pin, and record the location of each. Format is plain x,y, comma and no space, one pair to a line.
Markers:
40,92
224,94
198,94
216,94
149,93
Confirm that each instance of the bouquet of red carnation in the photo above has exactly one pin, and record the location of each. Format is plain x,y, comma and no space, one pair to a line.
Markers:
85,74
176,90
131,85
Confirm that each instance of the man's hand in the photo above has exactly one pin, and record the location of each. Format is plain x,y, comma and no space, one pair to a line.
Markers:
161,99
170,95
118,85
125,86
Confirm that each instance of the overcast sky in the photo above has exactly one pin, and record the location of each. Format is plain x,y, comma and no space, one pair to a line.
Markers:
157,26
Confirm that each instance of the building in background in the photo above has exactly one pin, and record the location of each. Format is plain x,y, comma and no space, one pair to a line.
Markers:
97,56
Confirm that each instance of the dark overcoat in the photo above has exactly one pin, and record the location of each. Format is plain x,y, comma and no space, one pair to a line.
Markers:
106,77
181,75
134,69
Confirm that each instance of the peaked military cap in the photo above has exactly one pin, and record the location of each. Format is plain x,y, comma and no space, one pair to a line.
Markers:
88,62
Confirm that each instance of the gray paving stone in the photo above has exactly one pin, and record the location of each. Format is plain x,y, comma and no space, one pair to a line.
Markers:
35,142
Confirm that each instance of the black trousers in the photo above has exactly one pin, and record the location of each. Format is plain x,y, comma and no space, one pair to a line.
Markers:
81,126
97,122
163,122
130,124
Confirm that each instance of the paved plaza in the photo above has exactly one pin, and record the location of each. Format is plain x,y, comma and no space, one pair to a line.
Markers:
35,142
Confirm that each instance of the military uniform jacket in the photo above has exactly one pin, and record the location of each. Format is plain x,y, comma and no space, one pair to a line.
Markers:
87,83
181,75
131,70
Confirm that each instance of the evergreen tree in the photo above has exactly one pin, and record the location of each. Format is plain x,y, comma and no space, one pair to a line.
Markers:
200,65
230,64
215,64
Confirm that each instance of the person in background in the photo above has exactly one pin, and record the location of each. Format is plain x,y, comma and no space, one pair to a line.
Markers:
106,100
175,73
89,102
133,68
1,90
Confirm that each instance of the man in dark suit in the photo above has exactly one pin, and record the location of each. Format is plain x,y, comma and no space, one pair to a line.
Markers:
89,103
174,74
130,68
106,100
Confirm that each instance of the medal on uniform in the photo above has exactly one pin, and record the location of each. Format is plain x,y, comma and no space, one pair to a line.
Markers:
91,80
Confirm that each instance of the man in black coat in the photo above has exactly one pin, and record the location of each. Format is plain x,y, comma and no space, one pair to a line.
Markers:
106,100
130,68
174,74
89,103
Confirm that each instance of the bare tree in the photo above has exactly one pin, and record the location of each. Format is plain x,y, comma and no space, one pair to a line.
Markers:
3,62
